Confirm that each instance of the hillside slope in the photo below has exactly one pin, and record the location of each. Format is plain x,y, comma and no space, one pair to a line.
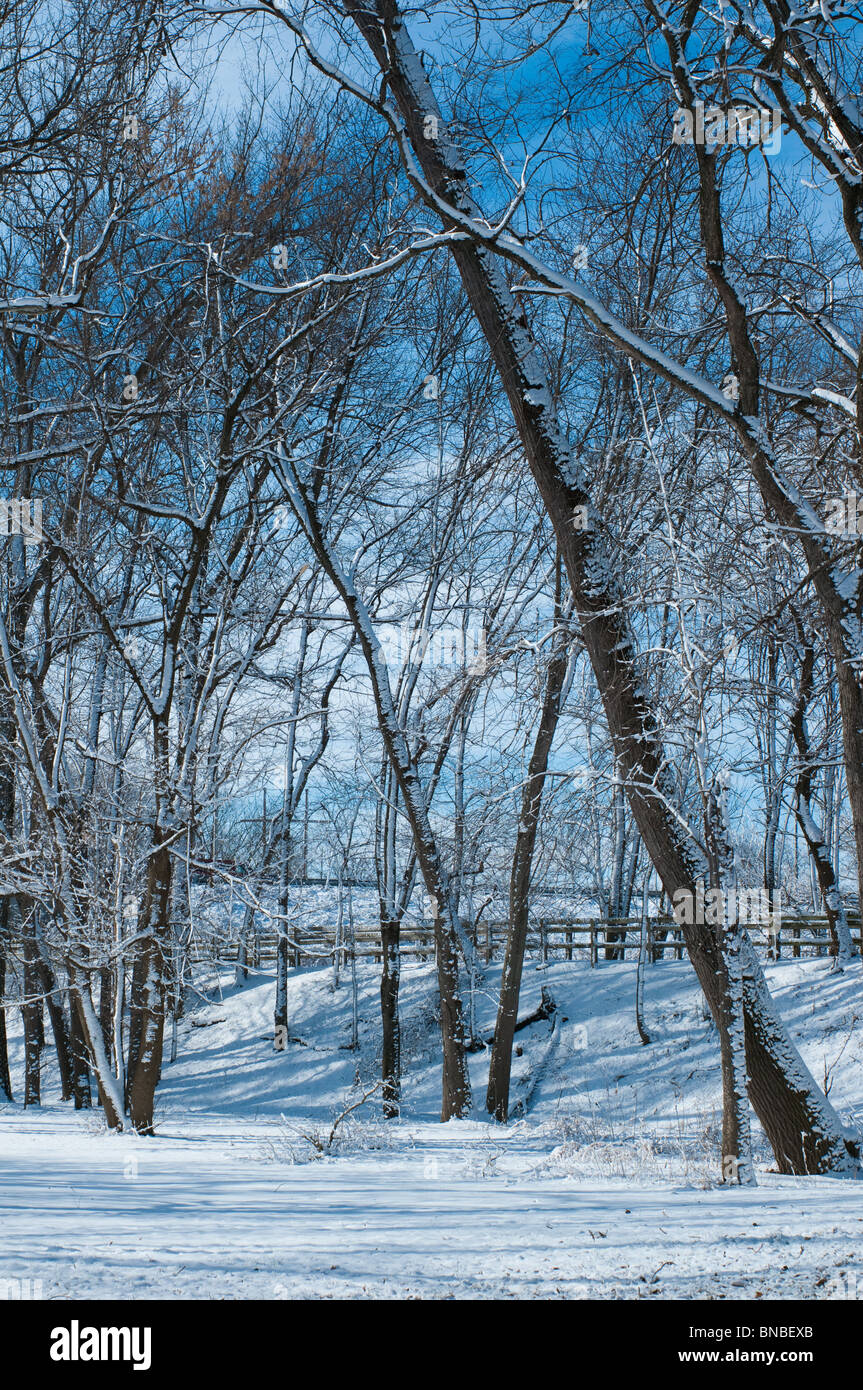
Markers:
604,1188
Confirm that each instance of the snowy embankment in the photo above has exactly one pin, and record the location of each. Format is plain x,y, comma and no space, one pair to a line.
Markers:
604,1189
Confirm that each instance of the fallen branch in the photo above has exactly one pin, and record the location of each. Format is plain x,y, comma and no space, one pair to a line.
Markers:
547,1009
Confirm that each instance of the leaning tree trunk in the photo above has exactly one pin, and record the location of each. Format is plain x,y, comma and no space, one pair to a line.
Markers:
500,1067
110,1094
804,1131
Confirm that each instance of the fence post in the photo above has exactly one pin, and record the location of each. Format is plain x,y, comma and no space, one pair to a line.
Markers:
592,942
543,941
568,939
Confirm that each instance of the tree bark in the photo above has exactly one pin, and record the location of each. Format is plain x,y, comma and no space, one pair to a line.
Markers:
5,1075
56,1013
500,1066
80,1058
737,1166
7,825
280,1007
34,1033
147,1001
391,1062
110,1095
106,1007
642,960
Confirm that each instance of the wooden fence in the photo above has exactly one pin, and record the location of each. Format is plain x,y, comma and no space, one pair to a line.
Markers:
549,938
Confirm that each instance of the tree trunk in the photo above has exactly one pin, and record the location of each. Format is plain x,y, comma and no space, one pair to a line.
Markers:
89,1030
106,1007
615,890
8,735
80,1058
147,1002
34,1033
737,1166
56,1013
5,1075
631,871
500,1066
723,915
45,983
642,960
241,970
146,1033
391,1061
280,1009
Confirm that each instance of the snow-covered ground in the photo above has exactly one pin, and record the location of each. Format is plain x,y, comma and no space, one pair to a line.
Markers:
606,1187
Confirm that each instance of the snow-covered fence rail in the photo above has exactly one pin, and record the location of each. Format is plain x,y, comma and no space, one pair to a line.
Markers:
619,938
558,938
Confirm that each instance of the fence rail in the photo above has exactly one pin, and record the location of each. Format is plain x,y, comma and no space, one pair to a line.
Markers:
549,938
